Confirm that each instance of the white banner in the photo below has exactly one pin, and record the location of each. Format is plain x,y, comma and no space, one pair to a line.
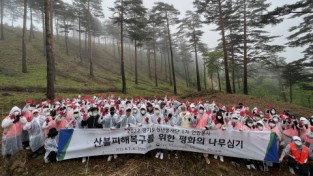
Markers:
93,142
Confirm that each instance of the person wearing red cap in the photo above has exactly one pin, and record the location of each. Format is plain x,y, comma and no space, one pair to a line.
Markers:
49,122
289,131
36,134
298,155
303,127
12,133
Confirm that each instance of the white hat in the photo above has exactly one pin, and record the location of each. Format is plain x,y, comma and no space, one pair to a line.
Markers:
192,105
128,108
260,122
296,138
15,109
35,111
234,116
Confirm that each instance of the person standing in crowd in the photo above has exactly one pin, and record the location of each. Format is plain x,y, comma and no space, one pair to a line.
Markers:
49,122
92,120
12,133
135,112
184,118
76,123
36,134
51,146
127,120
170,120
157,118
219,124
261,127
150,109
250,164
143,118
75,120
203,122
289,131
235,125
110,122
297,156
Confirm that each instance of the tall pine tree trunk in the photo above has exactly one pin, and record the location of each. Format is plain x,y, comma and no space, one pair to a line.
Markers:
24,65
232,61
161,62
204,76
130,59
155,66
221,24
65,35
165,66
43,31
57,27
89,41
188,73
136,64
197,68
80,40
114,48
86,45
245,57
186,76
51,12
169,66
122,49
1,20
149,65
31,24
50,54
171,50
219,80
211,77
290,91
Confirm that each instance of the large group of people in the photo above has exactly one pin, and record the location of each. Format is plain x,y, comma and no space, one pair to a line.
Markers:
36,126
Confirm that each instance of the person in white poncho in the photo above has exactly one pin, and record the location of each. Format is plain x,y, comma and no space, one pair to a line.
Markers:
36,134
110,122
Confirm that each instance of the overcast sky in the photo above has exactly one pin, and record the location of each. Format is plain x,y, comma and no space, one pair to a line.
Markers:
211,37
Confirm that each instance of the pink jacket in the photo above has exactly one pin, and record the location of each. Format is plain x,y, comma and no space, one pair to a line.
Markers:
246,128
238,126
304,137
60,125
202,120
11,129
290,132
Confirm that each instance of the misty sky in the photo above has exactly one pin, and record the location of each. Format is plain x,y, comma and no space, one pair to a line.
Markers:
211,37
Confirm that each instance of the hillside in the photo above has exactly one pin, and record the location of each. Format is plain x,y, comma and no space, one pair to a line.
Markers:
72,76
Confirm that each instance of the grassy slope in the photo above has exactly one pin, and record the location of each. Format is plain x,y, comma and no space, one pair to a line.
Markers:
72,76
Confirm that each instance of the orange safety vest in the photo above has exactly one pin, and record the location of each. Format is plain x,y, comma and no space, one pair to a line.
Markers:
300,157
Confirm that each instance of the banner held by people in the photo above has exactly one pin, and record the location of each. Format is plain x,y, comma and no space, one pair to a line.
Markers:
76,143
